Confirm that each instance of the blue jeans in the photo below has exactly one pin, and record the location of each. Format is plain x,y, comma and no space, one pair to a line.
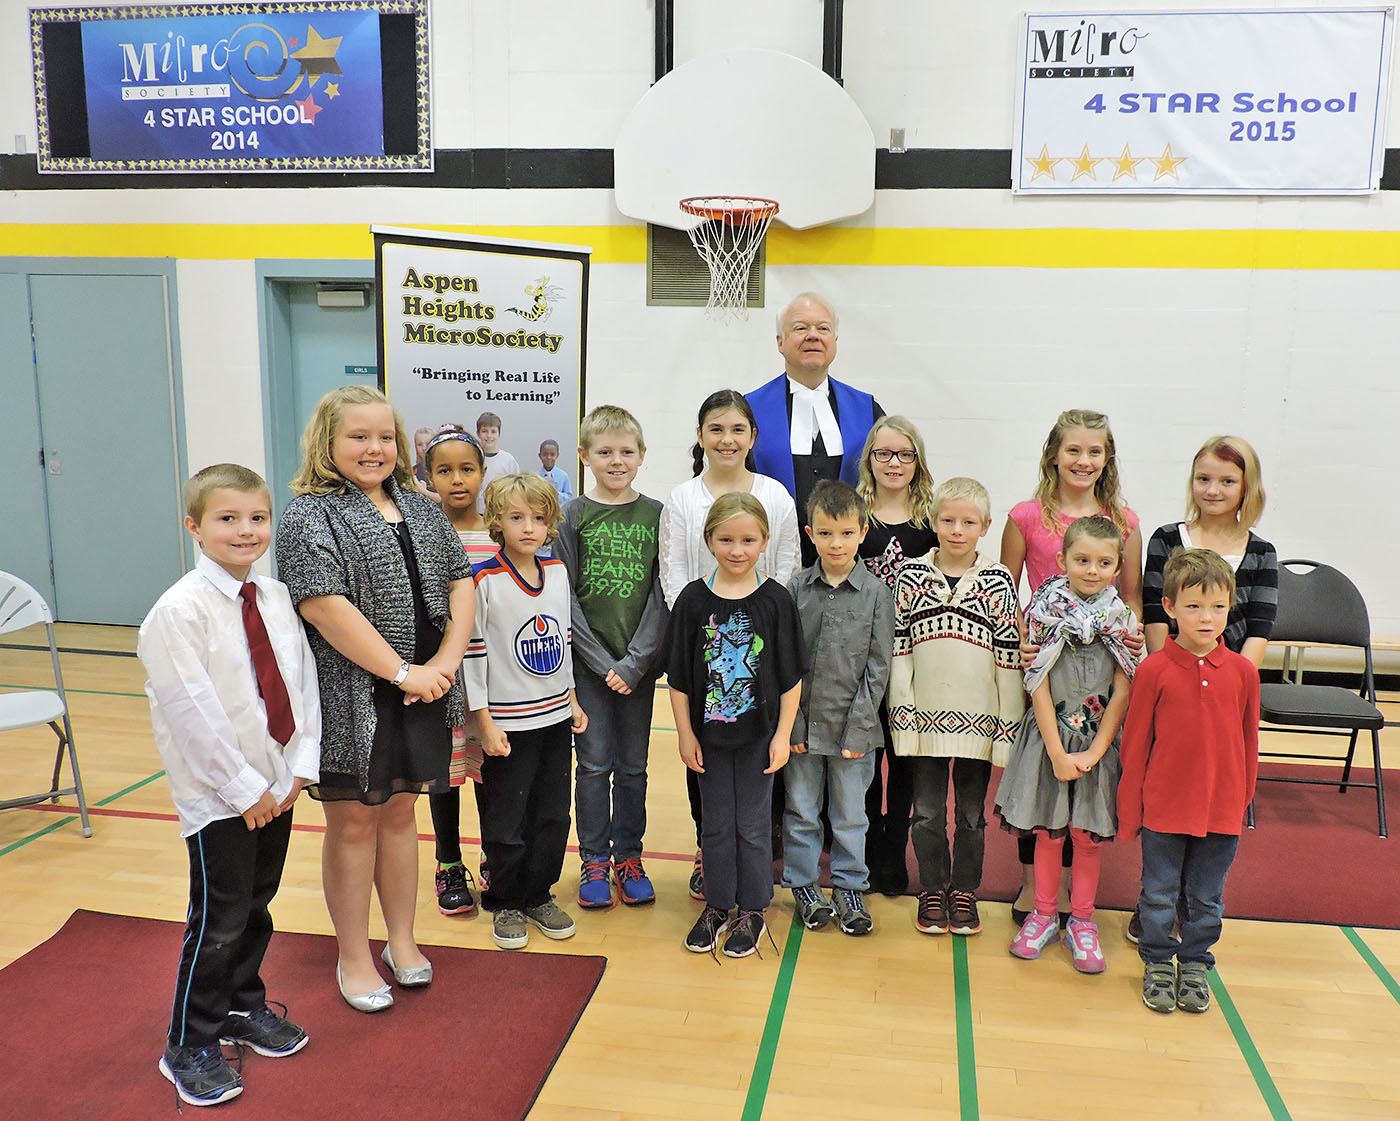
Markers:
610,782
844,782
1173,865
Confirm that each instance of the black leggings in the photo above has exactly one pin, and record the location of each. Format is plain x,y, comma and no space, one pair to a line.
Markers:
447,824
1026,847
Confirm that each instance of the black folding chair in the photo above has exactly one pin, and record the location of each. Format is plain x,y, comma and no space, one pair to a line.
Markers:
1320,606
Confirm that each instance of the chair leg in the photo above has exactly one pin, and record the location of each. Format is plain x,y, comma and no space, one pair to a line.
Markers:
1249,814
1346,768
57,762
1380,781
65,737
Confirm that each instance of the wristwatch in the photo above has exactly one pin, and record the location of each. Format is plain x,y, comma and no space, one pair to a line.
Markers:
402,676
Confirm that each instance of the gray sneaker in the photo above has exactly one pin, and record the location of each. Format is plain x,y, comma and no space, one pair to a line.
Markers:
812,907
553,920
508,929
1159,986
852,916
1192,988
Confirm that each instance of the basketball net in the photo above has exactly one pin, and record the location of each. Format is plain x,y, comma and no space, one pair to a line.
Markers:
727,242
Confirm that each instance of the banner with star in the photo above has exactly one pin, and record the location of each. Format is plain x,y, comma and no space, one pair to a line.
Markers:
1231,101
239,87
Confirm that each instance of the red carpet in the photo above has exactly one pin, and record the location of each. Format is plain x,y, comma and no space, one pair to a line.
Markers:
87,1013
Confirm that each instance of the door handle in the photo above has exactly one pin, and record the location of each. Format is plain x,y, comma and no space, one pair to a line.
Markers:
49,458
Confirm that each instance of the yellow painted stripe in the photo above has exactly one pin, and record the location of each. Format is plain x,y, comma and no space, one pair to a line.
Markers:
1061,248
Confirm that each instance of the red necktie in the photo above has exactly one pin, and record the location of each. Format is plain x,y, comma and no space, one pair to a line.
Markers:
270,684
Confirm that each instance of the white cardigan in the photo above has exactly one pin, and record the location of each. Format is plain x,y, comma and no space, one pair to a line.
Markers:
684,556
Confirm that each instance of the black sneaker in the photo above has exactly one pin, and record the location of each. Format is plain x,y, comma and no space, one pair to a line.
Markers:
744,934
697,878
201,1075
705,933
453,888
264,1031
932,915
1133,931
852,915
812,907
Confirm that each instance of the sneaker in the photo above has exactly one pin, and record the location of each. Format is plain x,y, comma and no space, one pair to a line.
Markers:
508,929
634,886
1082,937
812,907
852,915
1192,988
744,934
264,1031
553,921
1133,931
1159,986
932,917
454,892
697,877
595,883
201,1075
1037,932
705,933
963,917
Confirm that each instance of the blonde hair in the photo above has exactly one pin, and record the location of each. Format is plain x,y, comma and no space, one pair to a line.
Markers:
609,418
921,508
220,476
1106,490
736,504
1095,526
1238,452
539,494
318,473
1192,568
962,489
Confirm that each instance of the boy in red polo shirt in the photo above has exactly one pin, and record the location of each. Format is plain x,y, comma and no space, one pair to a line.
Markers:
1190,755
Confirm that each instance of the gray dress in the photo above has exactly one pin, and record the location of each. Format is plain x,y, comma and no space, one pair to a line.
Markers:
1030,797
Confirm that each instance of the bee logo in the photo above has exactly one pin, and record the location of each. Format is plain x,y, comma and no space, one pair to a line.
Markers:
545,295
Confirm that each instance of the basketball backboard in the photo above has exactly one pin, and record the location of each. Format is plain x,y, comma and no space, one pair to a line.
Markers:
745,122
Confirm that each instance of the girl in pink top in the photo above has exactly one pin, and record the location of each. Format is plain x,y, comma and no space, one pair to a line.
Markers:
1078,477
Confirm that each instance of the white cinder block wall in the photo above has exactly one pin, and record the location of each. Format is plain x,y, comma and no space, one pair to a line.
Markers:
1304,363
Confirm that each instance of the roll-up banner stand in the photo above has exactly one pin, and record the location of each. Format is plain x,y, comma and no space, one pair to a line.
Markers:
475,325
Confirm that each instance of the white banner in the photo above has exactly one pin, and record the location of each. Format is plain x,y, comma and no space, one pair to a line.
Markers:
1237,101
479,325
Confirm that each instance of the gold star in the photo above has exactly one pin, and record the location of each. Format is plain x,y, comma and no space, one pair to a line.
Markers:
1084,164
1167,164
1044,164
318,56
1126,165
332,89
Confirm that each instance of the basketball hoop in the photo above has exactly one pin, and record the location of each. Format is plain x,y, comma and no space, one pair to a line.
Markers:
727,240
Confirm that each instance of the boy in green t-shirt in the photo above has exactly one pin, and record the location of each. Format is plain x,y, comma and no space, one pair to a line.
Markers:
608,542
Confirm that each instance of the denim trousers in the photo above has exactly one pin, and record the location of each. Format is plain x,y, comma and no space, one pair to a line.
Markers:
1174,864
843,782
610,780
940,867
737,831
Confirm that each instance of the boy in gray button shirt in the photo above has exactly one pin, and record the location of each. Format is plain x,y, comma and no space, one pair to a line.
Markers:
848,627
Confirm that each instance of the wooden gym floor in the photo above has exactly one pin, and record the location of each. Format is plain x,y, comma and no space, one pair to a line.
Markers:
898,1025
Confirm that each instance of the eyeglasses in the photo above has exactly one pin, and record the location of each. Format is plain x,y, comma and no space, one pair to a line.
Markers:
884,455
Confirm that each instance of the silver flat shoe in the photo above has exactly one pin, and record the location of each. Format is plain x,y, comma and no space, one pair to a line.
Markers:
414,978
375,1001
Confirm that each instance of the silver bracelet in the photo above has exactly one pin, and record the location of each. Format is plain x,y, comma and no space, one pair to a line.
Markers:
402,676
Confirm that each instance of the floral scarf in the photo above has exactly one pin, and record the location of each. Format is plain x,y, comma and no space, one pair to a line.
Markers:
1057,616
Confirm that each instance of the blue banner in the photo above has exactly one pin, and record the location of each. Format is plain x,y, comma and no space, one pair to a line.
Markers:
253,91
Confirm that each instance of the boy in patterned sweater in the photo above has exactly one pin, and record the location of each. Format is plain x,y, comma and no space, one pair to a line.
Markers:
955,698
520,684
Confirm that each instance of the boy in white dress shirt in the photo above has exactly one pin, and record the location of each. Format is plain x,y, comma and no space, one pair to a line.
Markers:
237,718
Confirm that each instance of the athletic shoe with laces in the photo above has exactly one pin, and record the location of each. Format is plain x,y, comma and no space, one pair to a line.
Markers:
201,1075
705,933
634,886
595,882
852,915
696,886
1082,938
1192,987
962,912
1133,931
744,934
553,921
264,1031
508,929
1037,932
813,909
453,886
932,916
1159,986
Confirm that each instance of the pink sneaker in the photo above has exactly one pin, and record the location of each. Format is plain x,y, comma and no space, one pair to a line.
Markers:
1082,938
1037,932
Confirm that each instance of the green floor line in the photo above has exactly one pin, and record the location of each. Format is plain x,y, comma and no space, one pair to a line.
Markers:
773,1027
61,822
1272,1098
967,1054
107,801
1391,985
85,692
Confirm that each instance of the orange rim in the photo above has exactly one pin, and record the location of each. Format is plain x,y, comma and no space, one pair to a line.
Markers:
736,210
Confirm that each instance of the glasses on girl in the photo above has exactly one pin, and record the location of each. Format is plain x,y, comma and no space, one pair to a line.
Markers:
884,455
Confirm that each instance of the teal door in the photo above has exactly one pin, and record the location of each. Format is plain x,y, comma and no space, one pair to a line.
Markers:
106,403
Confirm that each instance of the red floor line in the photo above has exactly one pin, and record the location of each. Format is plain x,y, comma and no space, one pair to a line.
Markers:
148,815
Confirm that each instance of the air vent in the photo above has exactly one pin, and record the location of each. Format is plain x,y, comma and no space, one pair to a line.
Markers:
677,277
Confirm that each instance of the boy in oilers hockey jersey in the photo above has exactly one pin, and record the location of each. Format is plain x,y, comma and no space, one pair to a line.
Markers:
520,684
